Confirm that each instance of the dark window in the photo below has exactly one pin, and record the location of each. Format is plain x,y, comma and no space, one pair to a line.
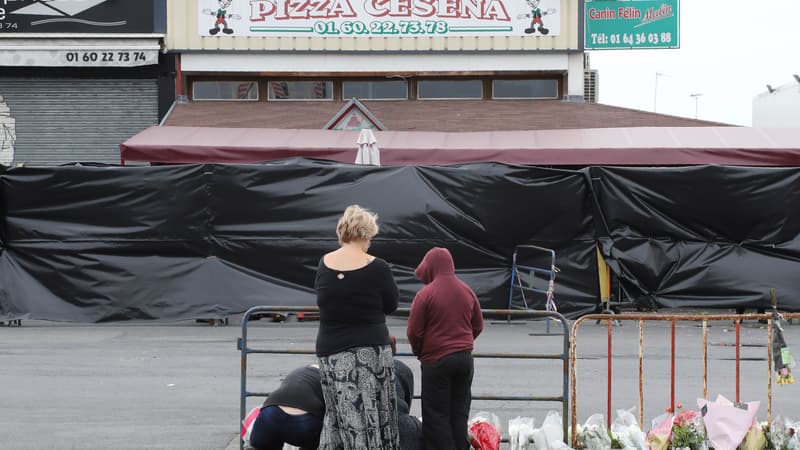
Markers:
450,89
300,90
225,90
375,90
525,89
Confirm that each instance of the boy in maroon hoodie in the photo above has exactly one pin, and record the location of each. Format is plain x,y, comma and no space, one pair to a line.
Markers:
445,319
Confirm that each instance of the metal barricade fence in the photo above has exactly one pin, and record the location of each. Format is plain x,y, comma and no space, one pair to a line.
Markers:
523,276
564,356
673,318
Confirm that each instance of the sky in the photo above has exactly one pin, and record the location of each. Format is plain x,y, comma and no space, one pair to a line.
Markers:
730,50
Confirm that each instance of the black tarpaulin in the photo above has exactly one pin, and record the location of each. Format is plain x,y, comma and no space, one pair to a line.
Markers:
709,236
93,244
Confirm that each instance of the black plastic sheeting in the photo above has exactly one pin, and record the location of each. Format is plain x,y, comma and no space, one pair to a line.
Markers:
96,244
709,236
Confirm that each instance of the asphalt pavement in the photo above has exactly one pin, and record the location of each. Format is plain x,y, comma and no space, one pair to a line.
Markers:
176,385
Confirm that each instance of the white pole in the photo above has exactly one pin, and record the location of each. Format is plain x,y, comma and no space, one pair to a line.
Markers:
696,96
655,93
655,90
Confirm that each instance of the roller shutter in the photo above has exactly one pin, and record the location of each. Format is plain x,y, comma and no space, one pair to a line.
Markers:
63,120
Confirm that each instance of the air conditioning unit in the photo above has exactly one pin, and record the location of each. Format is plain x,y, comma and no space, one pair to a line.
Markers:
590,87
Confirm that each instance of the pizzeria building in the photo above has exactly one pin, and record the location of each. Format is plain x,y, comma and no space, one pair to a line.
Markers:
269,55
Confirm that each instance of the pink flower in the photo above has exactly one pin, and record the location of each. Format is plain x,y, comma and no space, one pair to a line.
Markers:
689,415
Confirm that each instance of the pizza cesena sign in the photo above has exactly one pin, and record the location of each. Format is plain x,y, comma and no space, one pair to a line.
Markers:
75,18
379,18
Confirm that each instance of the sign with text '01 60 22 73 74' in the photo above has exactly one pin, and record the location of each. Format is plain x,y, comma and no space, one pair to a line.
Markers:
632,24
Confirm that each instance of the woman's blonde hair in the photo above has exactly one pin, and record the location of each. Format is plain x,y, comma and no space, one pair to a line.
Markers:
356,224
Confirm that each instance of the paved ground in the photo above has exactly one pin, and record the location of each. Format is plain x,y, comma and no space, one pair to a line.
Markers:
176,385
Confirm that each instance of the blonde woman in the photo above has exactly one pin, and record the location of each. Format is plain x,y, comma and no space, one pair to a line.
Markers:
355,292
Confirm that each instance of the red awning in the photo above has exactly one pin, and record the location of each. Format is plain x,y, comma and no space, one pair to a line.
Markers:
650,146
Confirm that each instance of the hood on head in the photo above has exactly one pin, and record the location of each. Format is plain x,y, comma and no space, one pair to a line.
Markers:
438,261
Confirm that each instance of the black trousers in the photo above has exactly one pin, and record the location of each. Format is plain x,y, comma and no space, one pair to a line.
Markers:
446,399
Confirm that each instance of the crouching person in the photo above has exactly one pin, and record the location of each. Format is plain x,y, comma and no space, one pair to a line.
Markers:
409,427
292,414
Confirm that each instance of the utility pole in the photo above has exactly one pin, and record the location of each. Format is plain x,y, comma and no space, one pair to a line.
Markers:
655,90
696,96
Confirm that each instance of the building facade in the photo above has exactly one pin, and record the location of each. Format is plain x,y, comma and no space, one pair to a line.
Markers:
78,78
378,50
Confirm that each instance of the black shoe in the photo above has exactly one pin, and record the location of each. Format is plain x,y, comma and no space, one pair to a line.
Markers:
530,30
227,30
543,30
214,31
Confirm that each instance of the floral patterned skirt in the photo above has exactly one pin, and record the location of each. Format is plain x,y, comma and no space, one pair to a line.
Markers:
360,400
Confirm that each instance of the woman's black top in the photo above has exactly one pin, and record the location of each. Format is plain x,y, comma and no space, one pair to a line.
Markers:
353,305
300,389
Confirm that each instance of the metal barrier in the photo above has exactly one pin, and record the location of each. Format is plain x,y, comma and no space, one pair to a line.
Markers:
549,271
564,356
673,318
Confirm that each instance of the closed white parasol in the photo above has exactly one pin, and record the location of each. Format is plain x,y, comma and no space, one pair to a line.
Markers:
368,152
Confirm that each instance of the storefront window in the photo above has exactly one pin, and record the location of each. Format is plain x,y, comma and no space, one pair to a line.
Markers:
375,90
225,90
300,90
525,89
449,89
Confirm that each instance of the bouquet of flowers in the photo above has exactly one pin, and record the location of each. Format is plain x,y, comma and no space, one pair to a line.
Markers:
755,439
625,430
484,431
687,430
550,433
726,422
781,357
658,438
520,433
781,435
594,434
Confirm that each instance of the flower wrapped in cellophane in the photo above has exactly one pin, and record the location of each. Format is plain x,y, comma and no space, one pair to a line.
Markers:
661,431
484,431
627,432
755,439
550,433
781,434
594,434
726,422
688,431
520,433
781,357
